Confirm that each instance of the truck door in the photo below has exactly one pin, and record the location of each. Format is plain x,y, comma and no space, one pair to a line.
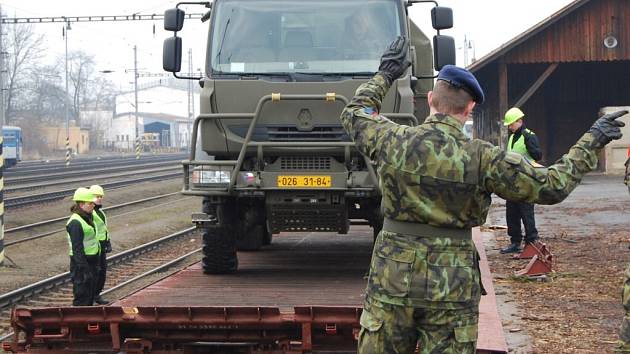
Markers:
423,66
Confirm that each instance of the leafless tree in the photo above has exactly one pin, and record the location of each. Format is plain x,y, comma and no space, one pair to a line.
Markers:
80,71
25,48
46,94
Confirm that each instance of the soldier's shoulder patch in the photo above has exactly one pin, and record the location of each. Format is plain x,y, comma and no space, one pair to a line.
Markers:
513,158
370,111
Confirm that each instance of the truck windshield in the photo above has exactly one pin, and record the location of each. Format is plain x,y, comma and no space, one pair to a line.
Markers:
316,36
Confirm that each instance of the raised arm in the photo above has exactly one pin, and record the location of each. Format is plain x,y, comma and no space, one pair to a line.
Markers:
513,178
361,118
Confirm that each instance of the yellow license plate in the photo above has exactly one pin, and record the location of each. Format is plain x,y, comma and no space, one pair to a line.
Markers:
305,181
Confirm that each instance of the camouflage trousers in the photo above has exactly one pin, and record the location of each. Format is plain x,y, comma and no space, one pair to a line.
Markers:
387,328
624,334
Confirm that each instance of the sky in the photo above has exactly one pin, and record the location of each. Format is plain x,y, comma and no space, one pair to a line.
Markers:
486,24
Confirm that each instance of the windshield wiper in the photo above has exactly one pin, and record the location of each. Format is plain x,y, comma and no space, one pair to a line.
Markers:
227,24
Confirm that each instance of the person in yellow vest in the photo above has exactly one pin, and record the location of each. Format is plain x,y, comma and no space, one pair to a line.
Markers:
84,248
524,142
102,234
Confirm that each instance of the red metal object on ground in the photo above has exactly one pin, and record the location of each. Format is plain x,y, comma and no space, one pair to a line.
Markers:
301,294
540,263
531,249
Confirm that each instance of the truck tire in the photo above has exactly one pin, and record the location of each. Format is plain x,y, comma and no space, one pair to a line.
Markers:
250,238
219,248
268,236
219,253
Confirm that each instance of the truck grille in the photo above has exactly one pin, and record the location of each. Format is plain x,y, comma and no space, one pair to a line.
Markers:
305,163
291,133
318,133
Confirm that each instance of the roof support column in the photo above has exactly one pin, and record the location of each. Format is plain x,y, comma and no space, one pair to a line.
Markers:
503,102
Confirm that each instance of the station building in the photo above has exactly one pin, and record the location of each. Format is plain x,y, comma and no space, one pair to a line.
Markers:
563,73
165,113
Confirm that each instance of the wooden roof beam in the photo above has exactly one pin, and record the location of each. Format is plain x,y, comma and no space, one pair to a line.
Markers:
536,85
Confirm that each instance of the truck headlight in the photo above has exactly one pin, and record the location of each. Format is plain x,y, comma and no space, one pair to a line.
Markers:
210,176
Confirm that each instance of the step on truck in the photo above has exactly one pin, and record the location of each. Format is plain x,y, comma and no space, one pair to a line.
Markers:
268,152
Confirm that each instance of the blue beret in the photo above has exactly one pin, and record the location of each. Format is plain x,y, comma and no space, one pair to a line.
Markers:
463,79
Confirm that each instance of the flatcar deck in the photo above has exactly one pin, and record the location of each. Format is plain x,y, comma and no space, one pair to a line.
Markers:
300,269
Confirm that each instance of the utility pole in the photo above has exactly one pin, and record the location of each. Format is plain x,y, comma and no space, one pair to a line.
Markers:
68,148
465,51
135,91
191,96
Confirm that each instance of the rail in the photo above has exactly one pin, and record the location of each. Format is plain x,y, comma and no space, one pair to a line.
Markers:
17,295
47,167
56,281
45,197
95,171
52,221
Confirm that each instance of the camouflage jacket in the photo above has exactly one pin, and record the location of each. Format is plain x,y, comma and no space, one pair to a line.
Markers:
433,174
626,179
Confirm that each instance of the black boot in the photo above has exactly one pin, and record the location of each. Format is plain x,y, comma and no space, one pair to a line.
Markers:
99,300
513,248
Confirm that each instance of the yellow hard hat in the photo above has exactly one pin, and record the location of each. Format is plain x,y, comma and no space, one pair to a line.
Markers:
83,194
512,115
97,190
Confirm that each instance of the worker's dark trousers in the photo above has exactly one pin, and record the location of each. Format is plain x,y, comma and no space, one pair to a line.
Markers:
514,213
84,281
102,272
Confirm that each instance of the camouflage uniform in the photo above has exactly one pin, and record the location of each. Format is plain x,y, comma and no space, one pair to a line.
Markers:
624,335
626,179
424,287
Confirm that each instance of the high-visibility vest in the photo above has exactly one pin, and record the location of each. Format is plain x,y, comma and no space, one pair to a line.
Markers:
91,246
101,226
519,146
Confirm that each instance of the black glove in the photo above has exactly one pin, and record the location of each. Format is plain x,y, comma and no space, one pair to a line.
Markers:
607,129
394,61
108,246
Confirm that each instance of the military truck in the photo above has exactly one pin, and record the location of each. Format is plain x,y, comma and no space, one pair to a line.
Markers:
268,152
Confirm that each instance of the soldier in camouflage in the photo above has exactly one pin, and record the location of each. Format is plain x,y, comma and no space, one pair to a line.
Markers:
424,284
624,334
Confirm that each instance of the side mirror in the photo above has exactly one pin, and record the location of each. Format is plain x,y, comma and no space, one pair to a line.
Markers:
442,17
443,51
172,54
174,20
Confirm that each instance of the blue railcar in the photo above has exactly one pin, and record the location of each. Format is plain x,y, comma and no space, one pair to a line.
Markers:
11,145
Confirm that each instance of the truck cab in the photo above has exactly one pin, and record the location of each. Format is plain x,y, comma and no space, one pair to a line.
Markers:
269,153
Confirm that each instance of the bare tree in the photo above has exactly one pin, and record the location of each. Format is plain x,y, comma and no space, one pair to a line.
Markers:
81,69
46,94
25,48
99,94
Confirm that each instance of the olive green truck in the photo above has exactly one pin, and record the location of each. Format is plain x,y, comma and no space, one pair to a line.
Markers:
268,152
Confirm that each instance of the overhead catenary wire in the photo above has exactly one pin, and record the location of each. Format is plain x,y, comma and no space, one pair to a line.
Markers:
95,18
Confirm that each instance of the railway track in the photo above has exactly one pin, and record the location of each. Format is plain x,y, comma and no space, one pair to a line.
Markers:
43,167
90,177
59,194
9,233
101,170
124,268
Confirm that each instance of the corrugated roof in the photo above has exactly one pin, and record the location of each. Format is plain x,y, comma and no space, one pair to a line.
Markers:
477,65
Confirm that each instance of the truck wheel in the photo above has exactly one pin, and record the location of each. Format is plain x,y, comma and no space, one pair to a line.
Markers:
219,253
219,249
267,237
250,238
